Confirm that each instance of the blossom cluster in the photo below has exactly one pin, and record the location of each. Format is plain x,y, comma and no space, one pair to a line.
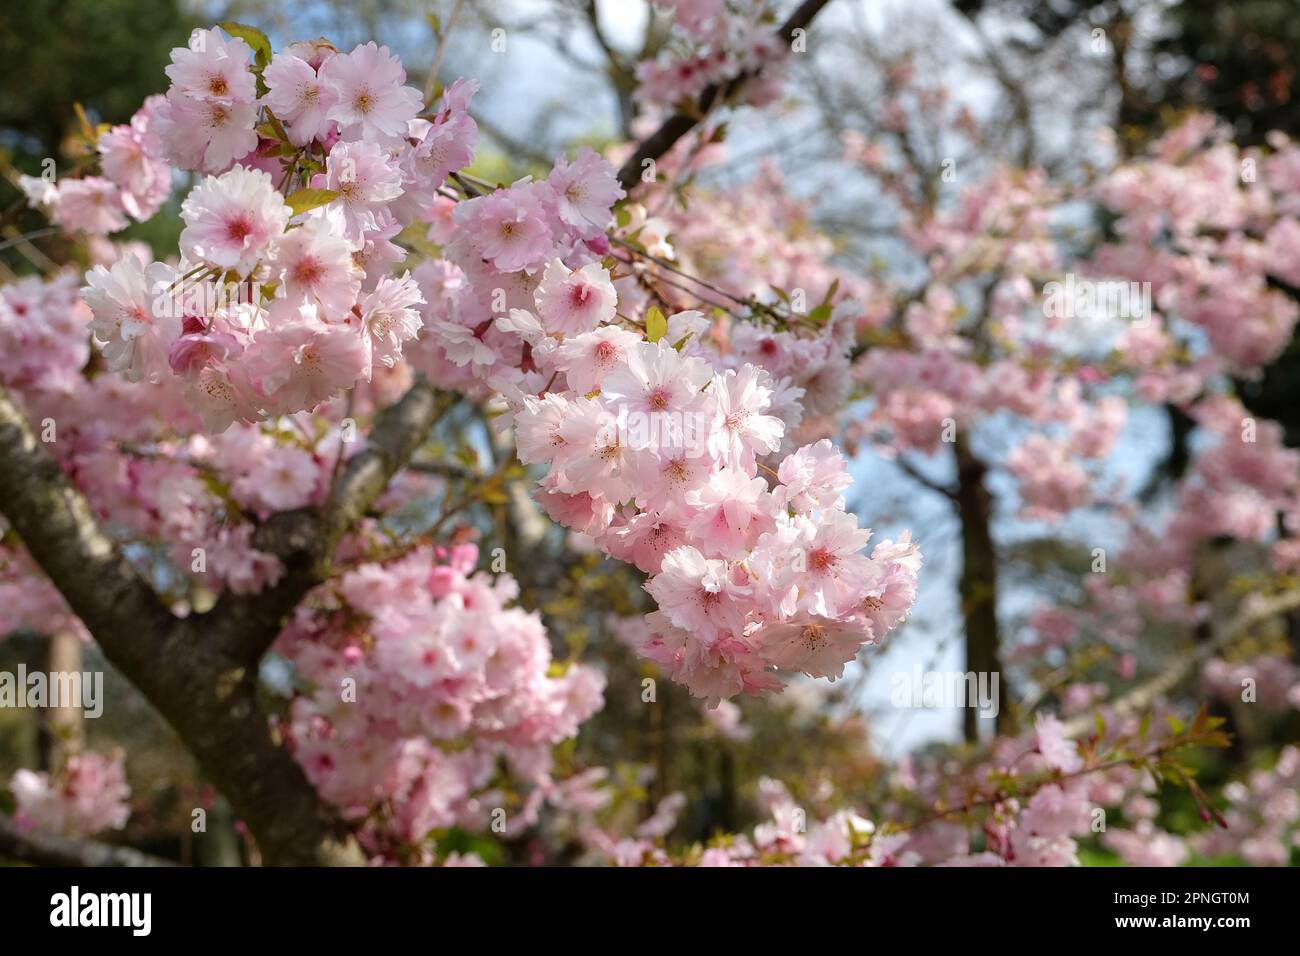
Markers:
502,250
87,795
656,449
758,244
421,680
711,44
656,455
1200,225
135,179
284,293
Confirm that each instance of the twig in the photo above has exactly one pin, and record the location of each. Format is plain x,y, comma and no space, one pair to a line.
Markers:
47,849
1144,695
444,35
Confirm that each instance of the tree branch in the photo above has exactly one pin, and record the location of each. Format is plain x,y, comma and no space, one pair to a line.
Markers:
303,540
1144,695
915,474
201,672
47,849
681,123
61,534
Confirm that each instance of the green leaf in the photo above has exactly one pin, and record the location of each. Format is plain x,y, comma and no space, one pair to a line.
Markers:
305,199
254,37
821,314
656,326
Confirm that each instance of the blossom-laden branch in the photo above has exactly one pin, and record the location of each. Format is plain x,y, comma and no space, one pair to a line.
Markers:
682,122
201,672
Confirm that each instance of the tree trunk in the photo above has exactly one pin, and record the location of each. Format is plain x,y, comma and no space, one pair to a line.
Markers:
979,584
61,730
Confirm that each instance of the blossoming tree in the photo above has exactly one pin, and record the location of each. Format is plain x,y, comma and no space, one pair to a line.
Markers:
284,438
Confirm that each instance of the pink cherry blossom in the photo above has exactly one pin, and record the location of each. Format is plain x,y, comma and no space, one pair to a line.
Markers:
315,266
298,97
369,92
135,333
231,219
575,301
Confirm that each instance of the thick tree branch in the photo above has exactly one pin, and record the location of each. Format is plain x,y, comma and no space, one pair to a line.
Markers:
681,123
62,535
188,668
303,540
47,849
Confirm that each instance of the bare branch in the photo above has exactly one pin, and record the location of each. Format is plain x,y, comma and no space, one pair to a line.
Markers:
1145,695
444,34
47,849
915,474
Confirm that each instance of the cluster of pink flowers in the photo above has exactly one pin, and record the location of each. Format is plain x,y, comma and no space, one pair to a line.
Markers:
1206,223
450,679
654,448
501,254
1269,680
43,340
85,796
929,379
1236,486
1262,816
1203,224
135,179
713,44
746,242
523,305
421,680
656,454
1063,801
280,302
118,442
